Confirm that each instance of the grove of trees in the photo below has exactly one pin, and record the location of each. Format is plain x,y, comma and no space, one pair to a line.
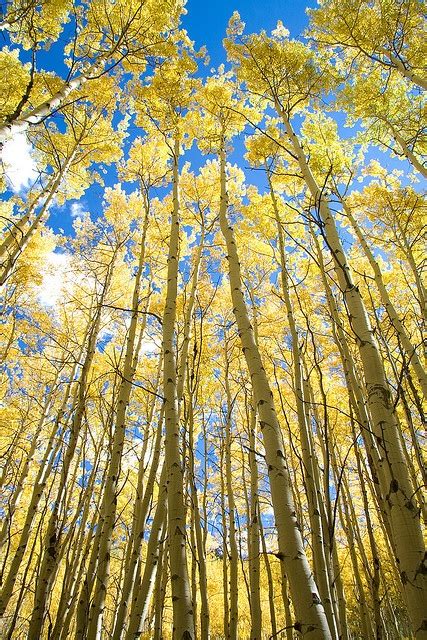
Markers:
212,428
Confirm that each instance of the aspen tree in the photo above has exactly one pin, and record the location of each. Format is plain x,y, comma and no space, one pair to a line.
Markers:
253,58
40,483
171,90
11,628
232,632
254,544
148,165
386,34
161,582
153,564
142,598
19,486
375,571
398,212
327,512
390,114
77,551
319,558
88,138
79,405
132,561
358,405
103,38
385,298
109,504
183,617
339,160
224,550
254,533
271,605
309,610
184,375
143,481
18,239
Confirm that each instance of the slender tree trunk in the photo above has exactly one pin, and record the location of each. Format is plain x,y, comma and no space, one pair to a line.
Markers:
181,594
254,533
319,559
365,620
140,515
160,592
233,554
270,581
311,618
109,504
19,238
200,547
406,247
141,600
225,554
374,571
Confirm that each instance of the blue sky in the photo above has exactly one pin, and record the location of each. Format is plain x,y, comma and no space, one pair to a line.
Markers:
206,22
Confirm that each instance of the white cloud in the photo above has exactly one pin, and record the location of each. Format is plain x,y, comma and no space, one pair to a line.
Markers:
54,278
77,210
19,166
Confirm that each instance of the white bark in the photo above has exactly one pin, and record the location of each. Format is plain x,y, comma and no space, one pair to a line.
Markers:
183,623
311,618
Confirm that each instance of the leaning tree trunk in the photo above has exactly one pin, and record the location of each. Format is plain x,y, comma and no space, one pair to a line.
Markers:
396,486
19,237
413,358
38,114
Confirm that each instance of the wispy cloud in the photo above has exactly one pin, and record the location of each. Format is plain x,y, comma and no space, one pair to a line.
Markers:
149,346
19,166
54,278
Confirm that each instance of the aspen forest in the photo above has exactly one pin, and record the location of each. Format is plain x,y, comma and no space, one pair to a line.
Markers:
213,307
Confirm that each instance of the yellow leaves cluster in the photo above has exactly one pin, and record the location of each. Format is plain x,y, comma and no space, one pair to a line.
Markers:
371,28
276,68
14,78
164,104
30,267
222,113
121,209
332,158
148,162
125,30
32,24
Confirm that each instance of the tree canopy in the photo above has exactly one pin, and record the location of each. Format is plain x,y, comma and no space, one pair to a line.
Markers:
213,380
